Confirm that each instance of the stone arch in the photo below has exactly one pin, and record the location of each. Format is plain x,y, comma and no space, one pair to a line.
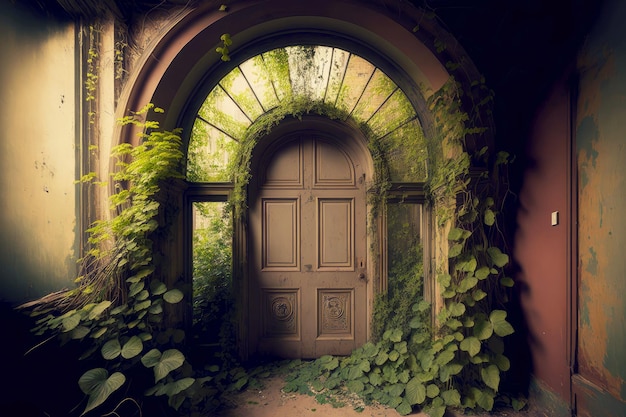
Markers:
184,58
182,66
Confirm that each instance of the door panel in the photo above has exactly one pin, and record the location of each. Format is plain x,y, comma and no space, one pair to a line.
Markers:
281,248
336,240
308,286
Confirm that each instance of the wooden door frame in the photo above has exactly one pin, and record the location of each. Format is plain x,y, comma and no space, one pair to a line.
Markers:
241,277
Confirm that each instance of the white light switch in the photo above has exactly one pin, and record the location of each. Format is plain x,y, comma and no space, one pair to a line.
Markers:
555,218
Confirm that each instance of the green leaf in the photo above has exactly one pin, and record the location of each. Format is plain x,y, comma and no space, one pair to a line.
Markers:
375,379
478,294
507,282
491,377
451,397
500,326
381,358
483,398
158,287
456,309
490,217
444,357
453,324
354,372
364,365
240,383
444,280
502,362
497,257
518,403
332,364
173,296
455,234
99,309
135,288
401,347
143,305
395,390
179,386
436,409
404,408
448,370
355,386
99,386
80,332
151,358
415,392
482,272
394,355
483,329
466,265
111,349
396,335
432,391
370,350
132,348
170,360
485,401
455,250
471,345
140,275
70,322
467,284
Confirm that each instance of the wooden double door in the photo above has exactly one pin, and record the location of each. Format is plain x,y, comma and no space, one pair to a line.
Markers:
308,247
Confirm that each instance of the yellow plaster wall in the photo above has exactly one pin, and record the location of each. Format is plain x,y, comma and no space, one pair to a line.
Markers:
38,197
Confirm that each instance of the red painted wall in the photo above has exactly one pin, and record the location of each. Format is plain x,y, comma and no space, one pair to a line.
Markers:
541,249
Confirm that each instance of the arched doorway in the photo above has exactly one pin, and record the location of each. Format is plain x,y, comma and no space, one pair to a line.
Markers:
308,252
181,70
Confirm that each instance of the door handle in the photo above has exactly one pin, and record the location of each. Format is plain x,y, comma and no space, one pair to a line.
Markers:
361,276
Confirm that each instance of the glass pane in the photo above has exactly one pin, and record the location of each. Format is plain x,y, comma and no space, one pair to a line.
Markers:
212,269
356,78
407,153
209,154
238,88
405,262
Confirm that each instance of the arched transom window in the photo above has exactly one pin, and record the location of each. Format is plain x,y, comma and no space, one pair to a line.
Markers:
337,79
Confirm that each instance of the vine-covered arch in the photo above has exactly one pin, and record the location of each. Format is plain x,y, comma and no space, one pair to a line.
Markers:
183,57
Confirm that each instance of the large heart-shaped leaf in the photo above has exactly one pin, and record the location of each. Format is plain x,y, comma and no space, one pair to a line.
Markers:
151,358
132,348
500,326
471,345
99,386
111,349
415,392
170,359
491,376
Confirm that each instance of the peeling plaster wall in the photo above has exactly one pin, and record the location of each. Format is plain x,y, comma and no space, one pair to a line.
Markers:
601,155
37,154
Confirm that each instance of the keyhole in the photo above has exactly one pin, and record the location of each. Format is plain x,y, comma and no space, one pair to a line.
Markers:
361,264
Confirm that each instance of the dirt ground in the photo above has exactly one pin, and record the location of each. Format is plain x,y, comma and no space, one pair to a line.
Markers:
271,401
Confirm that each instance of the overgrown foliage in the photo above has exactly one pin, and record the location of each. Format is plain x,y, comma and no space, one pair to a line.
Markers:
461,361
117,310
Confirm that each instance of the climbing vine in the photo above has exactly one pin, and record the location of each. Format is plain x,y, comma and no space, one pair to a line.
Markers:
117,308
460,362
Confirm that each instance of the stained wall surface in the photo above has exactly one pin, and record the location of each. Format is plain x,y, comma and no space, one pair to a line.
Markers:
600,383
37,154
